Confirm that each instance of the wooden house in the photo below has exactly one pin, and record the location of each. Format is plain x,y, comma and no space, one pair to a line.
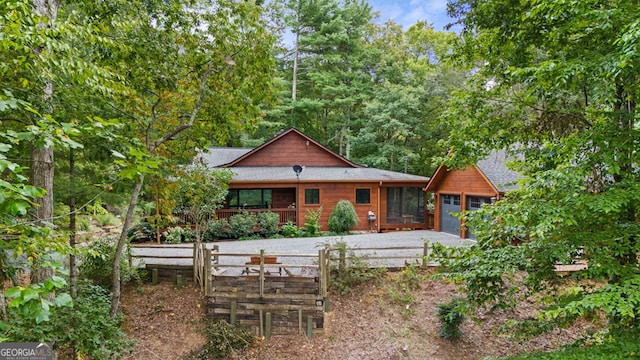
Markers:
292,174
468,189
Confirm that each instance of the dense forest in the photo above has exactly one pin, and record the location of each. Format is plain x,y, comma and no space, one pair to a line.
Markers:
103,102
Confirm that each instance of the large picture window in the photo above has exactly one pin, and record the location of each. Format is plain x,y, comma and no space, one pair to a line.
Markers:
312,196
249,198
363,196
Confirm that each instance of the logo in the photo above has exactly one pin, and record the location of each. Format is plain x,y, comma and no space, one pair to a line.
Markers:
26,351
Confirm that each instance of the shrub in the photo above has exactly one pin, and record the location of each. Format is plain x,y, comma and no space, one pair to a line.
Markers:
451,315
140,232
106,219
87,326
343,217
312,222
242,225
174,235
84,223
268,222
350,270
290,230
97,263
223,340
216,229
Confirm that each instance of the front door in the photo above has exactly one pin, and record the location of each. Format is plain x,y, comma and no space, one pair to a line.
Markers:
449,223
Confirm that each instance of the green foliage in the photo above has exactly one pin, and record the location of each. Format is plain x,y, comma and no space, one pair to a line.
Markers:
178,234
343,217
312,222
451,315
268,223
96,264
106,219
83,222
86,325
615,345
348,269
401,289
61,215
201,191
290,230
217,229
566,112
242,225
223,340
140,232
34,302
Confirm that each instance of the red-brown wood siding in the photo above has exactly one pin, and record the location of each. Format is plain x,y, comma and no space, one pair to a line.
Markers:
464,182
331,194
290,150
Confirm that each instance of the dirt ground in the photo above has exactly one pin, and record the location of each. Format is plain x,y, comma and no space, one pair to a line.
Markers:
368,324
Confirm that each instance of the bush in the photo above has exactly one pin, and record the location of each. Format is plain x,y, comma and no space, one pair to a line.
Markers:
83,223
216,229
142,231
343,217
242,225
350,270
178,234
268,222
451,315
312,222
106,219
97,263
87,326
290,230
223,340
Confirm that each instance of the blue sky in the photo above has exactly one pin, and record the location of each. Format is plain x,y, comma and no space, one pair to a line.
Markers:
408,12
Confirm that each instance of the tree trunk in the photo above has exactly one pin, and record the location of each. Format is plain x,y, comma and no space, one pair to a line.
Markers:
41,169
115,291
73,273
41,175
294,81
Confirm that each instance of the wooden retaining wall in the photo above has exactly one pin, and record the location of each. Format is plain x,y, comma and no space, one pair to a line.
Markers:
288,305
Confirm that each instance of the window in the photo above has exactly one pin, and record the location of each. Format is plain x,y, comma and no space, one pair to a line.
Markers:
363,196
312,196
249,198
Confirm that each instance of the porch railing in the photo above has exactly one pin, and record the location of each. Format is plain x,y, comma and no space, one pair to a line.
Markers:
285,215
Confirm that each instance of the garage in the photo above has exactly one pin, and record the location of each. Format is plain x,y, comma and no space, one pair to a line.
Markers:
449,205
475,203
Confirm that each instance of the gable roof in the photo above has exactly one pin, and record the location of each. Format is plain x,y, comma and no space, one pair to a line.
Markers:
291,132
243,163
493,169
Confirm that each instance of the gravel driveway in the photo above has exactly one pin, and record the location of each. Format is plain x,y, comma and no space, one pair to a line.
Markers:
310,246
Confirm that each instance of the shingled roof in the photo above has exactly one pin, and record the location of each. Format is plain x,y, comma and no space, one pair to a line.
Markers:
218,156
320,174
494,168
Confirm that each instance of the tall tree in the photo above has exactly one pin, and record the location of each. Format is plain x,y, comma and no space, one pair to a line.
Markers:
401,127
195,73
555,82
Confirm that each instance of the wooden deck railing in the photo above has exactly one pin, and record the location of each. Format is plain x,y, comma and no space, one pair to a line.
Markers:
285,215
